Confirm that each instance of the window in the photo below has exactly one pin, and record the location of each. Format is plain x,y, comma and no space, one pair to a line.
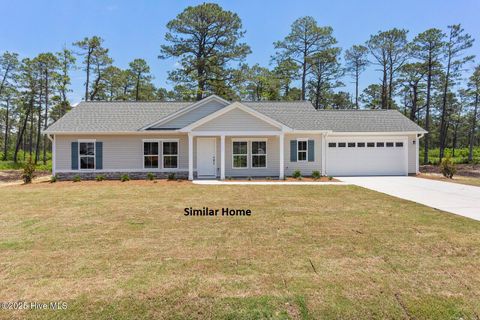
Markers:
370,144
398,144
389,144
351,144
302,148
150,154
342,144
240,154
332,144
361,145
259,154
170,154
86,152
380,144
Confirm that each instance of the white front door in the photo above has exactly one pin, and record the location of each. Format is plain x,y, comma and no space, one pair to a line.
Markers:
206,162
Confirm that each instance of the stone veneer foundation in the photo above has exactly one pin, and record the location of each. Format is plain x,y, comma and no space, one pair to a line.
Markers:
116,175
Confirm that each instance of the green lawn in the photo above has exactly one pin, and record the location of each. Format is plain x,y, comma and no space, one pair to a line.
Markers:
116,250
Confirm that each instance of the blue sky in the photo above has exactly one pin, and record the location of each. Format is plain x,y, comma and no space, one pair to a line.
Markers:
135,29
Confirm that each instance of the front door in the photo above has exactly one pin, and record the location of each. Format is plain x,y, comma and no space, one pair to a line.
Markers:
206,162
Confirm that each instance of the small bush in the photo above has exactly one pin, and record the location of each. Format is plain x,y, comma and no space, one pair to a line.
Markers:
28,171
171,176
316,174
268,178
330,178
150,176
100,177
297,174
229,178
124,177
249,178
77,178
53,179
447,167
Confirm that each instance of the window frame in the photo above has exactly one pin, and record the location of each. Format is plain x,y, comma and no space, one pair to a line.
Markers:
170,155
240,154
399,144
257,154
349,144
302,151
147,155
332,144
380,144
370,144
389,142
342,144
160,154
361,144
80,141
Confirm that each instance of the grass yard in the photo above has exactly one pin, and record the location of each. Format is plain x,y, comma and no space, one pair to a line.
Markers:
116,250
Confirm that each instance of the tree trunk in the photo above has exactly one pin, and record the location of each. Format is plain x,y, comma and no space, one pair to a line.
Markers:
413,112
443,125
474,127
427,109
20,136
390,88
138,87
384,88
45,120
39,128
89,54
357,76
5,148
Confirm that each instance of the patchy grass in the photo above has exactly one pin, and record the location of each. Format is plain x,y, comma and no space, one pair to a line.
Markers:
117,250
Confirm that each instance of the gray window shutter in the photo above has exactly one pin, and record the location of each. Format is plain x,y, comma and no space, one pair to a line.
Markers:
98,155
311,150
293,150
74,155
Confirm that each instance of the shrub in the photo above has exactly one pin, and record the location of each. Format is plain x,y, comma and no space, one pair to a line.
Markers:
125,177
330,178
150,176
229,178
171,176
297,174
100,177
53,179
268,178
77,178
28,171
447,167
249,178
316,174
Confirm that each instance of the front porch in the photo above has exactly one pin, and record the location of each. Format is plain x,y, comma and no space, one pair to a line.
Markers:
214,155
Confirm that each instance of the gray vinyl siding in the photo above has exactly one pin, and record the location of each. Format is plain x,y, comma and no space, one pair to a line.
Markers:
273,158
412,155
192,116
120,152
305,167
236,120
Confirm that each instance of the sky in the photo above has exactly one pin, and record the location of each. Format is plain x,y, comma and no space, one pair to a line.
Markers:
136,29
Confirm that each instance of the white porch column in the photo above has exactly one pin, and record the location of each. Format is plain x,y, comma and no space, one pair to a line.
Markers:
282,156
324,155
222,157
190,156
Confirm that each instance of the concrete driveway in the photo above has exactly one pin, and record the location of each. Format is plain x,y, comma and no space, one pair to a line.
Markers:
451,197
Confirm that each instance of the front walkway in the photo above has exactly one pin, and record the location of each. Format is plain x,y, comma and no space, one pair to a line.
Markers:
451,197
290,183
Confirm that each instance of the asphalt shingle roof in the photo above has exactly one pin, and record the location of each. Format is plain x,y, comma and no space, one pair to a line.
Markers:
299,115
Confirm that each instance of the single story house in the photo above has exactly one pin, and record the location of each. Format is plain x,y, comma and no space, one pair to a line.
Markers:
215,138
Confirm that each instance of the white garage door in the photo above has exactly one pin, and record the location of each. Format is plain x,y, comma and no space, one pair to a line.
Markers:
366,156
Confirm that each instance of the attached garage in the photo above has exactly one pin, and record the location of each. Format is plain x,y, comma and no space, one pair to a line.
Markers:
358,156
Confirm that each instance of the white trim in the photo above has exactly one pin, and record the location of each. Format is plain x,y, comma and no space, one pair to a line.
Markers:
54,147
171,155
183,111
306,150
235,105
190,157
235,133
124,133
282,156
222,157
87,156
324,154
417,155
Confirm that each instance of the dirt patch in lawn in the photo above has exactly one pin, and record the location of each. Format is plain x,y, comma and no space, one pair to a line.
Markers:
467,170
16,175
